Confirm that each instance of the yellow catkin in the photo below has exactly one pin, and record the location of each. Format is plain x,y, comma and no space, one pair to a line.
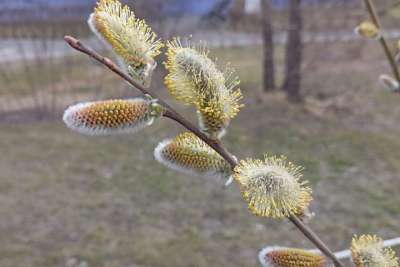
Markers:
272,187
190,154
368,251
367,29
110,116
131,38
194,79
294,258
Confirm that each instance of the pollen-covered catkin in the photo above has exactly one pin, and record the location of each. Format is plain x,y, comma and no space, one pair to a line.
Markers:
189,154
194,79
110,116
272,187
368,251
290,257
129,37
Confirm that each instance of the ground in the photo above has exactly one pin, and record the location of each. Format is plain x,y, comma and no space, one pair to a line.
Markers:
105,200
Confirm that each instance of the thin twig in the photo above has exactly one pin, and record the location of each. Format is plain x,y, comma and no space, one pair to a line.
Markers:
375,19
316,240
215,144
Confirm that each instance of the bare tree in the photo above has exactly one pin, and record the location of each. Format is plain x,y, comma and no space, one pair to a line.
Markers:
294,51
268,47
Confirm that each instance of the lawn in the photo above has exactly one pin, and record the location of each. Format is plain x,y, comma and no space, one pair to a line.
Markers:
105,200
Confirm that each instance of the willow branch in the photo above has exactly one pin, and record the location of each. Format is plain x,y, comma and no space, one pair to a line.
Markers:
170,112
215,144
375,19
316,240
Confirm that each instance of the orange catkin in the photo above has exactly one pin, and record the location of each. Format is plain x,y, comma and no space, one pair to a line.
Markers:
295,258
189,154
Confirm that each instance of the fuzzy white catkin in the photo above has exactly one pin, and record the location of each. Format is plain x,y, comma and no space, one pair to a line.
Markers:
109,117
93,28
188,154
389,83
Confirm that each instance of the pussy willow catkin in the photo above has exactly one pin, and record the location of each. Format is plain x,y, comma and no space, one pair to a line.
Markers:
194,79
389,83
290,257
189,154
367,29
111,116
130,38
272,187
368,251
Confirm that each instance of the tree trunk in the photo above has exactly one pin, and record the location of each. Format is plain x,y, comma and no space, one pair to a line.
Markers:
294,50
268,46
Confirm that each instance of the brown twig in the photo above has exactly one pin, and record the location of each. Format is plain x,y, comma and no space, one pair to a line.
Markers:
215,144
375,19
315,239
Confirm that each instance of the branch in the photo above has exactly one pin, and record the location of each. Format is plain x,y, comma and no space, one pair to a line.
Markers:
170,112
215,144
316,240
375,19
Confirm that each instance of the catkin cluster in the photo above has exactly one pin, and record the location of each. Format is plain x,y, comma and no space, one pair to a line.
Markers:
272,187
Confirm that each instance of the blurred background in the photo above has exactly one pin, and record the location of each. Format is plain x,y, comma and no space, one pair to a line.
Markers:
311,92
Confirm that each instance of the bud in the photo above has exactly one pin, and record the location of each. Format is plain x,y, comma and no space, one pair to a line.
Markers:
195,79
272,187
389,83
189,154
130,38
369,251
367,29
290,257
111,116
